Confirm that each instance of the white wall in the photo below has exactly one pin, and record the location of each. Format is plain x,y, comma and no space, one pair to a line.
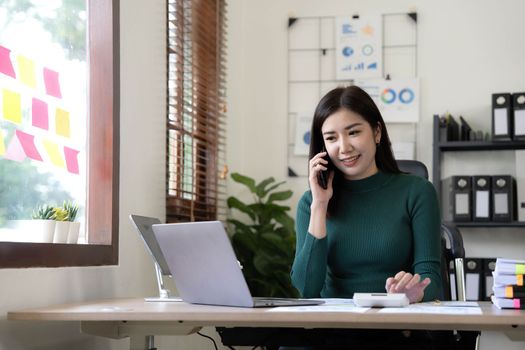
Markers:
467,50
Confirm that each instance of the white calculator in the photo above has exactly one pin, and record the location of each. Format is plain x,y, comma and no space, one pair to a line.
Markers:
381,299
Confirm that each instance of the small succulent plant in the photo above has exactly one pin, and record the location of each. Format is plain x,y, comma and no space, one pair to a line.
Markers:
71,210
59,214
43,212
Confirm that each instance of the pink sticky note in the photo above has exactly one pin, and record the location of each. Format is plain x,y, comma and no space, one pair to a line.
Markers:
6,66
71,160
28,144
40,114
15,151
51,83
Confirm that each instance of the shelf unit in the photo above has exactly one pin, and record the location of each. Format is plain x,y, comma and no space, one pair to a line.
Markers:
465,146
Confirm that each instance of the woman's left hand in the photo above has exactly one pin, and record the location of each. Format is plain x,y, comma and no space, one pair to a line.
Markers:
411,285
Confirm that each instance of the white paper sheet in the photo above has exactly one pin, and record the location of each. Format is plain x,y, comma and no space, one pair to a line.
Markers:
447,308
330,305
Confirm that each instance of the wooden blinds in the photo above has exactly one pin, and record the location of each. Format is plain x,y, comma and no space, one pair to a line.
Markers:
196,105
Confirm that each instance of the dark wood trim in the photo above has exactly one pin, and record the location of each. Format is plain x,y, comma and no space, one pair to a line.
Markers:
103,178
13,254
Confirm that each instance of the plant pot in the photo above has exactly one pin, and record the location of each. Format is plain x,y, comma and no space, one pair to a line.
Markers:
74,229
34,231
45,230
61,232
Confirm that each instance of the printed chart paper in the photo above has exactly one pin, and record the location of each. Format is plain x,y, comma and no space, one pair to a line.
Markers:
303,124
397,99
358,47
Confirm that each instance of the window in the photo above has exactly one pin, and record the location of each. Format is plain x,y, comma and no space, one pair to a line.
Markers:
196,105
101,156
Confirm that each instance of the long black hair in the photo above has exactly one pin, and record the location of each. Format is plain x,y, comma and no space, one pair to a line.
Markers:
354,99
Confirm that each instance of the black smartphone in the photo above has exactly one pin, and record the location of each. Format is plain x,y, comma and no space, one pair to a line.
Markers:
322,176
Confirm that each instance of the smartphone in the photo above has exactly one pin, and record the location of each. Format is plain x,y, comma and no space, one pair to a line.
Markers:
322,177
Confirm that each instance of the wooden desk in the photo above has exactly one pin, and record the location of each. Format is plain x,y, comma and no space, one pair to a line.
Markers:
136,319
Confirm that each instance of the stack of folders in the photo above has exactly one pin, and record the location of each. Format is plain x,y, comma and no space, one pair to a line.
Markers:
509,291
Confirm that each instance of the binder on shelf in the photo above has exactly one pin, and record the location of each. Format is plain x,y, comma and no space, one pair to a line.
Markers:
442,125
502,117
452,128
466,131
481,209
518,105
503,198
520,183
489,264
448,128
473,280
457,195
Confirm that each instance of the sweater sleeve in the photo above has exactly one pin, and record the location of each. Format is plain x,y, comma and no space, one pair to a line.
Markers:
426,226
309,266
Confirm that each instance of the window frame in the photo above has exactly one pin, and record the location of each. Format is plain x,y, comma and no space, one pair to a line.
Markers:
102,210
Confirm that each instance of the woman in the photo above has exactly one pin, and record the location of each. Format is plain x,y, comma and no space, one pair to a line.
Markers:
373,228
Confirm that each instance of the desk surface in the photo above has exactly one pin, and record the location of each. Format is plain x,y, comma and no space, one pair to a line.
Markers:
138,310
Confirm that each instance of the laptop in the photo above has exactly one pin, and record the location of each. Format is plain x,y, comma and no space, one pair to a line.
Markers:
205,269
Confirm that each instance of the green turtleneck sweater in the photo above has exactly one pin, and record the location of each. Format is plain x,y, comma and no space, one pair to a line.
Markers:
386,223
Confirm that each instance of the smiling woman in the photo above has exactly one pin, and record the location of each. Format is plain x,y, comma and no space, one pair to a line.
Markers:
372,229
59,121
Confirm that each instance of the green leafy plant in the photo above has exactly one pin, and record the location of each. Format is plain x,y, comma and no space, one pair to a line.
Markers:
265,244
71,210
43,212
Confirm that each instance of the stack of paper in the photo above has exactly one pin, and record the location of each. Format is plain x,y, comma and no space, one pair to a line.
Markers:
509,291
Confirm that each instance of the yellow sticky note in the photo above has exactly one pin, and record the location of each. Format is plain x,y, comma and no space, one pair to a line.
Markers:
62,122
54,153
2,145
26,71
12,106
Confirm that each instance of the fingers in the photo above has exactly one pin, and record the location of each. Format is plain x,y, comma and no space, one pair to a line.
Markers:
404,281
318,163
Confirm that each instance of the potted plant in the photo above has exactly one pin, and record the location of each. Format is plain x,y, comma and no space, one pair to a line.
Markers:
62,225
42,227
74,226
265,242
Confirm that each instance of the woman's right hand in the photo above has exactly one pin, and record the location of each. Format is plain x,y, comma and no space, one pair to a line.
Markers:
317,164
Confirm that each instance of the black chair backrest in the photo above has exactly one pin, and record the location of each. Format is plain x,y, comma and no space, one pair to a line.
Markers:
413,167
